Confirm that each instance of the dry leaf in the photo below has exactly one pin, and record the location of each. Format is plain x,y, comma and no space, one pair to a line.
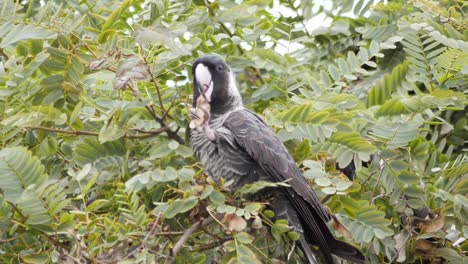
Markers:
424,247
196,115
341,228
277,261
257,222
400,245
235,222
200,116
99,64
121,82
432,225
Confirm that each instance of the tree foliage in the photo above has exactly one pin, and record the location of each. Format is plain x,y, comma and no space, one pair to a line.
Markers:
95,164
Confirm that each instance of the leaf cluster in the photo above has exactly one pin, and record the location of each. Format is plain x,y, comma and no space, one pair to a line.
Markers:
95,163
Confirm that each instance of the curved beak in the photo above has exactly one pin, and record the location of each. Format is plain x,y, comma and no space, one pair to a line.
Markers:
204,81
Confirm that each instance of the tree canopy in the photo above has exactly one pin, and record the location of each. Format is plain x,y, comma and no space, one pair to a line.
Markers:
95,163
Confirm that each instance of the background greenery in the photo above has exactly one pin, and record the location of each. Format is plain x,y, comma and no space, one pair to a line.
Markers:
95,165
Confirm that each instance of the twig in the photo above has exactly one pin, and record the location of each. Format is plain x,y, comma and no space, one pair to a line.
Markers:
227,31
152,230
75,260
170,233
153,80
23,217
178,246
143,242
170,133
214,244
2,52
216,219
7,240
325,198
145,134
371,200
299,15
168,109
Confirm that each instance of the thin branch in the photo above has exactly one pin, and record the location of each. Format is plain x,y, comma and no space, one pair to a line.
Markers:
214,244
227,31
325,198
175,136
170,233
170,133
23,217
170,70
154,81
168,109
7,240
2,53
63,131
153,228
145,134
298,15
178,246
216,219
150,233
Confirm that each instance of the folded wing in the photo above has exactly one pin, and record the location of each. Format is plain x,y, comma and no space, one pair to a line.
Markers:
254,136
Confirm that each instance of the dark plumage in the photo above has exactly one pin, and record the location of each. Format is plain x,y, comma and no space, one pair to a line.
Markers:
244,150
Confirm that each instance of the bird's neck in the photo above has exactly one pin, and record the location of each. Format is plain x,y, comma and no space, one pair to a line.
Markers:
221,108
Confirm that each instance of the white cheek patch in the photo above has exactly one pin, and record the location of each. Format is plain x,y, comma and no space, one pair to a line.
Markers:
232,86
203,76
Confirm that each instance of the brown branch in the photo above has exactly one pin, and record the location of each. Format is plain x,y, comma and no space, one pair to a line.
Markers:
239,48
168,109
214,244
7,240
170,133
2,52
178,246
170,233
145,134
153,228
23,217
154,81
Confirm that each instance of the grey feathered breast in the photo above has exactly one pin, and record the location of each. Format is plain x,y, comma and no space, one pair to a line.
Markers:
224,157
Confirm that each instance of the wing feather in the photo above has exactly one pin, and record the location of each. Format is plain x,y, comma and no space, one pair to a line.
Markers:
260,142
257,139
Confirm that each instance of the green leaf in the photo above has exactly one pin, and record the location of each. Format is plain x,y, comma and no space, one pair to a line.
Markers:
36,117
450,255
21,32
253,208
293,235
206,192
397,134
341,146
408,177
111,131
90,150
217,198
36,258
297,114
323,181
244,238
257,186
368,224
390,83
281,226
180,206
22,178
19,169
334,72
246,256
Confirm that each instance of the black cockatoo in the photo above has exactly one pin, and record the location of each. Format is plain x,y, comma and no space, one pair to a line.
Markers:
235,143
